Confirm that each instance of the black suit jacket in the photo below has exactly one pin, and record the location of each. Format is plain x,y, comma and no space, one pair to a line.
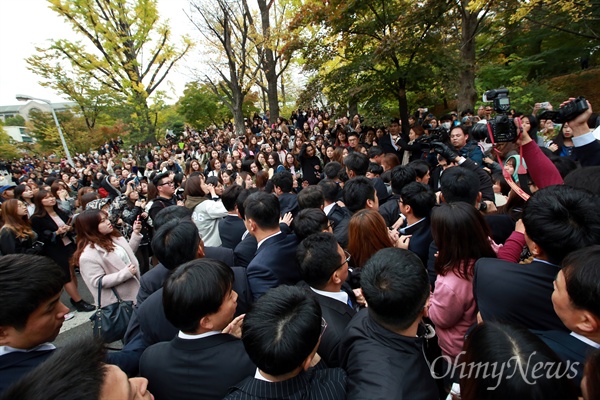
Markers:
323,384
274,264
588,155
15,365
341,218
195,369
517,293
245,250
390,211
231,229
420,240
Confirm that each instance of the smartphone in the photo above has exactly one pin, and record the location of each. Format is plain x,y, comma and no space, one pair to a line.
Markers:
544,104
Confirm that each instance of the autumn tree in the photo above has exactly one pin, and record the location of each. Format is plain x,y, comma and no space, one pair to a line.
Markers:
128,52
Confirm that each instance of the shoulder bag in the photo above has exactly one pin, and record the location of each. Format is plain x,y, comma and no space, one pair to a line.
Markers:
110,322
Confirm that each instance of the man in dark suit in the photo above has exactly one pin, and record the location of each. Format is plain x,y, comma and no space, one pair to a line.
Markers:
324,267
246,249
231,228
283,186
415,203
576,300
31,314
281,334
201,362
558,220
383,347
274,263
340,216
388,142
402,175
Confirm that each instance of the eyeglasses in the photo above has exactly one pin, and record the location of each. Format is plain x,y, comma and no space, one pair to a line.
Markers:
167,183
347,260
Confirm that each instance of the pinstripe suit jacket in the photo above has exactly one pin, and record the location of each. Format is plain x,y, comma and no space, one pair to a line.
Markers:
314,384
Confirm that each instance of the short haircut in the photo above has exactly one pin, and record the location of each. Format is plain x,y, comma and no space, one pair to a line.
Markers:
356,193
176,242
421,167
309,221
357,162
419,197
74,372
459,184
311,197
582,278
230,196
159,177
396,287
330,190
402,175
26,281
333,169
194,290
282,329
375,151
318,258
561,219
284,180
170,213
264,209
242,198
375,168
585,178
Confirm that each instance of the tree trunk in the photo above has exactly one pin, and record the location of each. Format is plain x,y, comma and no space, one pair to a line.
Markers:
269,65
238,113
403,108
467,95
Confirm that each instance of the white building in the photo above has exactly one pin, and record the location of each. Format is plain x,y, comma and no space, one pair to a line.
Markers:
24,109
18,133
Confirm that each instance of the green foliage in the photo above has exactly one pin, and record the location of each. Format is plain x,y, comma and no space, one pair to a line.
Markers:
8,149
17,120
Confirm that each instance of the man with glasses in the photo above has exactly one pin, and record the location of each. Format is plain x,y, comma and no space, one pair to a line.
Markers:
281,334
166,190
324,268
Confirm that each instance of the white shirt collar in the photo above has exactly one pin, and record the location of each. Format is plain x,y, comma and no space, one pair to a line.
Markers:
402,230
328,208
258,375
44,346
339,296
585,340
268,237
182,335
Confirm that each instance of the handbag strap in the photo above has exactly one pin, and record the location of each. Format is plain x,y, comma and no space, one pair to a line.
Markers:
100,293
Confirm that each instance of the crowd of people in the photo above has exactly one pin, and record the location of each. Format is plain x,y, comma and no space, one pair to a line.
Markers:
312,258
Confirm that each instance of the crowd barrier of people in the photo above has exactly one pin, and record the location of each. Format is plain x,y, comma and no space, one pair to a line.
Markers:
311,258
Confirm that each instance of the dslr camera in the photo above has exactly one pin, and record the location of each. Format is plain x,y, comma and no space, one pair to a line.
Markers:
439,134
503,127
568,112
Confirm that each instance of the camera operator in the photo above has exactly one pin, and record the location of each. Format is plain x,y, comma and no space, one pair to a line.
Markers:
460,140
587,148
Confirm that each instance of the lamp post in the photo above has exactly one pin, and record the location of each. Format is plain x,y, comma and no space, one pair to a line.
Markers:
24,97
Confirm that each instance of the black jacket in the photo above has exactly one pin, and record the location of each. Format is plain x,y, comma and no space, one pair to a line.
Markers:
383,365
341,218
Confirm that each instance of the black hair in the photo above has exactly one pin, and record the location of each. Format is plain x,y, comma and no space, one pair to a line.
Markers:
282,329
396,287
212,180
171,213
561,219
330,190
419,197
264,209
564,165
242,198
375,168
318,258
421,167
311,197
230,196
357,162
74,372
402,175
26,281
309,221
498,178
582,278
356,193
459,184
176,242
493,343
284,180
375,151
156,180
587,178
194,290
333,170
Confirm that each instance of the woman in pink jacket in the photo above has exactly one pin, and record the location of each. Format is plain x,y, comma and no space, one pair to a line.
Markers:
103,253
462,236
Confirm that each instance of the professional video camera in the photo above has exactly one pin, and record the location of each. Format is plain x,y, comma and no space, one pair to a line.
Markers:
503,127
568,112
439,134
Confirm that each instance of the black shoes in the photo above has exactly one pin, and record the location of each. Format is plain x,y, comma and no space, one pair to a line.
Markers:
82,305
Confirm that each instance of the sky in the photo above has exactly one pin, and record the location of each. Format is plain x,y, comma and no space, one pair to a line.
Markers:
18,43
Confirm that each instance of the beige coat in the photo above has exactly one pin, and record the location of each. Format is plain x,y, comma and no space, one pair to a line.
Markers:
96,263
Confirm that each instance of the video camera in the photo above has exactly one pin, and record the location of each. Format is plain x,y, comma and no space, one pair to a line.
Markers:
503,127
439,134
568,112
